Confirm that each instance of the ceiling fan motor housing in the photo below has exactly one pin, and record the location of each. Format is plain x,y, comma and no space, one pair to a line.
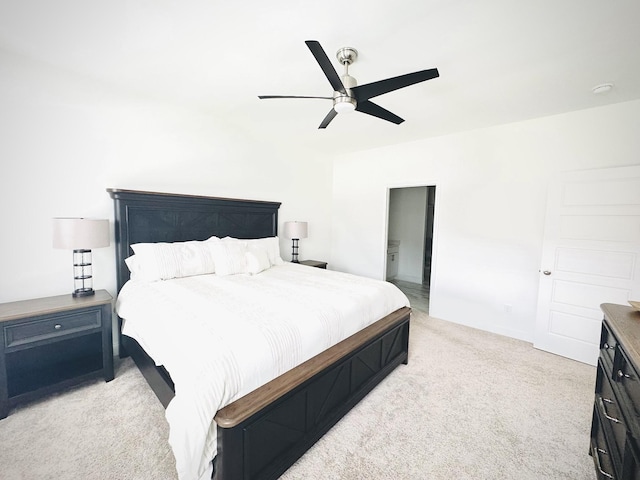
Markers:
346,103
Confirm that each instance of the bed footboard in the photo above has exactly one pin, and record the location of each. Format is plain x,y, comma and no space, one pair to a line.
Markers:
265,432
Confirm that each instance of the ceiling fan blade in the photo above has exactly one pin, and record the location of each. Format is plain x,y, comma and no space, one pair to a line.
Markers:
326,66
370,90
264,97
330,116
371,108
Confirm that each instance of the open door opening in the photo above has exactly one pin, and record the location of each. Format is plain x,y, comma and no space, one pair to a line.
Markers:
410,242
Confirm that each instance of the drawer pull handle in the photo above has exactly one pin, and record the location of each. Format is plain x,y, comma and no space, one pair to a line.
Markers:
596,454
57,326
606,346
621,374
604,409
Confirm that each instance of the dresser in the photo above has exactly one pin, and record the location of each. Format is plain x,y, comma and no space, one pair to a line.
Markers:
51,343
615,430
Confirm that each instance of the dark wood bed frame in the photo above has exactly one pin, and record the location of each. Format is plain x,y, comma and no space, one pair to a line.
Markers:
265,432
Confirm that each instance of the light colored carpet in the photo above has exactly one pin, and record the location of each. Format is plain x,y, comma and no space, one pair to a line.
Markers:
470,405
98,431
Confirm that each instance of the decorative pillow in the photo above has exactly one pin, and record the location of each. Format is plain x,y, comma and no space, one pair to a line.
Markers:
229,256
271,245
163,261
194,258
257,259
133,266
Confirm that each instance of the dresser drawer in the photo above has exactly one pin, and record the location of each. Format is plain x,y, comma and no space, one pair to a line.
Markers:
627,378
608,344
611,416
600,450
51,326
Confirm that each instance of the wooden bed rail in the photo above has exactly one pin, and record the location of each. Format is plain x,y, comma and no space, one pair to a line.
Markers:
253,402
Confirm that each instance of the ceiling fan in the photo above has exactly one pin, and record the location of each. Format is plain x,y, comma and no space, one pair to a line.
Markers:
349,96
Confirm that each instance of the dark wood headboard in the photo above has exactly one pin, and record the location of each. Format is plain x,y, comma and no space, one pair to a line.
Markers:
142,217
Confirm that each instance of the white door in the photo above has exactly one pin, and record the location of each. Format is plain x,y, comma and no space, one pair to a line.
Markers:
591,255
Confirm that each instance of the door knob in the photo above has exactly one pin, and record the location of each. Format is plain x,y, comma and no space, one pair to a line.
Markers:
547,272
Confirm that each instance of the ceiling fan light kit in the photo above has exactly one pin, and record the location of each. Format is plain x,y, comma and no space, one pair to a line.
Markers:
348,95
344,104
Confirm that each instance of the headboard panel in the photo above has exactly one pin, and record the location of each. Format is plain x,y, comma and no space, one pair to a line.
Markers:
166,217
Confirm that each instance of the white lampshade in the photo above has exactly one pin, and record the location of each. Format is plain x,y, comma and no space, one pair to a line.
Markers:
295,229
80,233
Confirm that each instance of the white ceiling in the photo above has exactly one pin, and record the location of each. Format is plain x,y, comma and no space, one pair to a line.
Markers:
499,60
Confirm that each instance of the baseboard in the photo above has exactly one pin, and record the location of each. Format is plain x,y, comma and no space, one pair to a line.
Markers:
408,278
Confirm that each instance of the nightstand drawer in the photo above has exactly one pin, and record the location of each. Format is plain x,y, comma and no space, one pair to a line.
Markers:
58,326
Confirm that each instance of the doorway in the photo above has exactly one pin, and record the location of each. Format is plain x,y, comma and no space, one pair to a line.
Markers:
410,242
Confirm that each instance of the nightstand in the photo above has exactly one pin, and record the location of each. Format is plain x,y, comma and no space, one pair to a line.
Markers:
47,344
314,263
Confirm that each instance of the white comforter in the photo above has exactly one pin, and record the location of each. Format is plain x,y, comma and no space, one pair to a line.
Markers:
222,337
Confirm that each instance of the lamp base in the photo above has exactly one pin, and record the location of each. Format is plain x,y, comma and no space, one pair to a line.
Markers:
83,292
294,251
82,275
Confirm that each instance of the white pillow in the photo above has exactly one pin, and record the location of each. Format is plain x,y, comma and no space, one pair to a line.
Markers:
229,257
271,245
163,261
133,266
194,258
257,259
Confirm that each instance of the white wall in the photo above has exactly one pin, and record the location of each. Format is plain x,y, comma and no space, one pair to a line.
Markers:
489,215
407,218
65,139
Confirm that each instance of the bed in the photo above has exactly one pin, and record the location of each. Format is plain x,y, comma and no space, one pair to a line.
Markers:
263,433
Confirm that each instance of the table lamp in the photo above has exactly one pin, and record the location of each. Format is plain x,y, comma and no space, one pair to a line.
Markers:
81,235
295,231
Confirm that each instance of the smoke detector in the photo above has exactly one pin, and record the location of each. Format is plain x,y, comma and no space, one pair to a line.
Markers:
602,88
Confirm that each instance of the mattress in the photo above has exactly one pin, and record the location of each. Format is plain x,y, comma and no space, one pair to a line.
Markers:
221,337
